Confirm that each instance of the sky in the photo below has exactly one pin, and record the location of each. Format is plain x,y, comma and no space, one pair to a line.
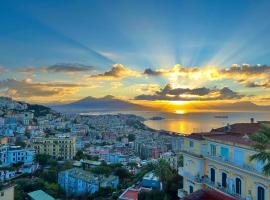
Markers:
57,51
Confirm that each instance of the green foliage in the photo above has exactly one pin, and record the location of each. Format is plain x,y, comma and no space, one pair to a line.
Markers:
180,160
261,144
43,159
25,185
20,143
131,137
152,195
121,172
163,171
27,134
79,155
50,175
39,110
103,169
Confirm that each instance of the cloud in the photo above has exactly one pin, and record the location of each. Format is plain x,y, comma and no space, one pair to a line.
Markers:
250,76
203,93
147,88
116,85
151,72
58,68
27,89
247,75
117,72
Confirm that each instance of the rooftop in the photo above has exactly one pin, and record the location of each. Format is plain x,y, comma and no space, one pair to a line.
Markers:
132,193
39,194
207,195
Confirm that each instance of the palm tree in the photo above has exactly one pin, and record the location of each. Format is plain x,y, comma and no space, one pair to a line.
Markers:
163,171
262,144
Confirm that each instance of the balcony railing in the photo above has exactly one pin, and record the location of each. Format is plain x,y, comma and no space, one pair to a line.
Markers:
229,161
181,193
217,186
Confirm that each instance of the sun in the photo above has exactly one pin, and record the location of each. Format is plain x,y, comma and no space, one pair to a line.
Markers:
180,112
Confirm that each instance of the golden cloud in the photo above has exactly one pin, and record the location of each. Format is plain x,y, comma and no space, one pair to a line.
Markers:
33,91
117,72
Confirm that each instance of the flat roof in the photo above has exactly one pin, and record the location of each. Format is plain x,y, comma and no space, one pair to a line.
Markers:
40,195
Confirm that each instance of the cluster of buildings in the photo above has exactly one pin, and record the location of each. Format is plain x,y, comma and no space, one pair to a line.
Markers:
214,163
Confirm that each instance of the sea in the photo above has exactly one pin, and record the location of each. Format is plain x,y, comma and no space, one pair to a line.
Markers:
188,123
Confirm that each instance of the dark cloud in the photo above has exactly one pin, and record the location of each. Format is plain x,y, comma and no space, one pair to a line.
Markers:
151,72
59,68
118,71
168,93
69,67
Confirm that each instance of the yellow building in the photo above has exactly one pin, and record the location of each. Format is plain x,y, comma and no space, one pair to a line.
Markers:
62,147
220,160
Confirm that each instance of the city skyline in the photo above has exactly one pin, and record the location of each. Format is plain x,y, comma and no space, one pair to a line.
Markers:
208,52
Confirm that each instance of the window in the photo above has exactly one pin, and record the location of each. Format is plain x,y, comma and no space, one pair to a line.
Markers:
239,156
224,179
224,151
190,189
260,193
2,194
191,144
213,150
213,175
238,184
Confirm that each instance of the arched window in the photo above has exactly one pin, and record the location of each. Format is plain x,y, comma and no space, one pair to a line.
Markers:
260,193
213,175
190,189
238,186
224,179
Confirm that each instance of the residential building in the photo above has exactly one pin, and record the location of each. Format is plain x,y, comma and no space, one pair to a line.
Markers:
76,181
15,154
220,160
151,181
7,193
61,147
171,158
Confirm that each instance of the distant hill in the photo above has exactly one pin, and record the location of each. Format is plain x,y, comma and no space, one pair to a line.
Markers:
106,103
240,106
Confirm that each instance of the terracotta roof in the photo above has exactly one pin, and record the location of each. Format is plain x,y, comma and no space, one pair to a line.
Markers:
208,194
236,133
132,193
240,128
233,138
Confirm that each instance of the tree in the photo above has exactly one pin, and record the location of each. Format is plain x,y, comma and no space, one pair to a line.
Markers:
42,159
262,144
131,137
152,195
121,172
79,155
163,171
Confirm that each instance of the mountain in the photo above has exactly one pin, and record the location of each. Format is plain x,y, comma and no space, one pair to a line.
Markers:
241,106
106,103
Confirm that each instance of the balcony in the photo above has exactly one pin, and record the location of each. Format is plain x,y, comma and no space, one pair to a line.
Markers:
246,167
219,188
181,193
181,171
192,177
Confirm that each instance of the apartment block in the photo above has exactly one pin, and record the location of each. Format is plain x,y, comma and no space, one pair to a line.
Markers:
60,147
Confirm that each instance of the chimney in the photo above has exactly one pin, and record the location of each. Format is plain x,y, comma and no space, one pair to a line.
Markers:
228,128
251,120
